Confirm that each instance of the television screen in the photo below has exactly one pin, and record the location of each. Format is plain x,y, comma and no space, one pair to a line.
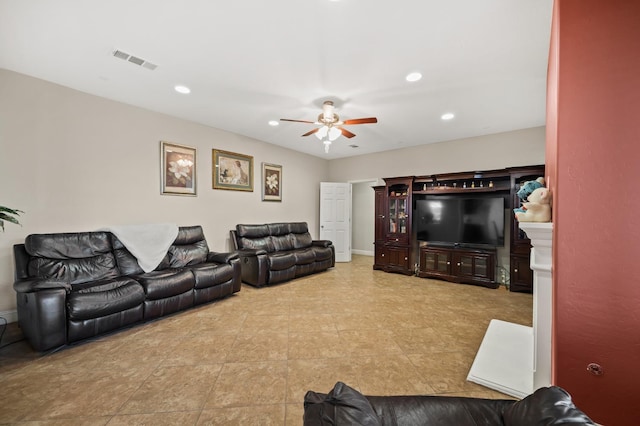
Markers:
464,220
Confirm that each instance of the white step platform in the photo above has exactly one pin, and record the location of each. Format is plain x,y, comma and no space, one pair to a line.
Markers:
504,361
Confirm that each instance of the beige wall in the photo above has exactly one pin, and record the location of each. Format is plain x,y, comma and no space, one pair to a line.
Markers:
497,151
76,162
362,218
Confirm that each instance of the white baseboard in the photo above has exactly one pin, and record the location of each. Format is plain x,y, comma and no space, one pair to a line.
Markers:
10,316
363,252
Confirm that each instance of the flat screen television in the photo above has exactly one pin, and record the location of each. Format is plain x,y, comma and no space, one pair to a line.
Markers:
461,220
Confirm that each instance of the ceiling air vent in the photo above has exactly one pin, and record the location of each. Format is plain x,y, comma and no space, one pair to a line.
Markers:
134,60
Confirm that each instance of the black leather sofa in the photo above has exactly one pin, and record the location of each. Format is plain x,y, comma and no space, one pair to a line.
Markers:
72,286
346,406
277,252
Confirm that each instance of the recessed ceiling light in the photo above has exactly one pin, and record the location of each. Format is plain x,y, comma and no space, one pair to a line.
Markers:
447,116
182,89
274,123
414,76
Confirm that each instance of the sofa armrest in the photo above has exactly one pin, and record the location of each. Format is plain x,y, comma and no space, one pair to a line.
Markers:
254,266
42,314
322,243
223,257
31,286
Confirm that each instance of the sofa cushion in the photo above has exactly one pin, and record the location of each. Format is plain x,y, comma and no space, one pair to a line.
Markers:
276,229
210,274
75,271
77,245
103,297
322,253
282,242
303,240
73,257
546,406
261,243
167,283
189,248
252,231
304,256
281,261
342,406
298,227
188,254
189,235
255,237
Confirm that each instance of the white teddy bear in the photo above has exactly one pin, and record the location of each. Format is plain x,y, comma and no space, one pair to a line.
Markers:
537,208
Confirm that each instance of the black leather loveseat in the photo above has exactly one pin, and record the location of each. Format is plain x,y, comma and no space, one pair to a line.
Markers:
71,286
346,406
277,252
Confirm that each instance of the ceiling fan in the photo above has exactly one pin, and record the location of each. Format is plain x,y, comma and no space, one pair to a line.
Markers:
330,125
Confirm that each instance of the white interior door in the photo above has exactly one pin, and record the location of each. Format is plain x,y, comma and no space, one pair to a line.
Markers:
335,217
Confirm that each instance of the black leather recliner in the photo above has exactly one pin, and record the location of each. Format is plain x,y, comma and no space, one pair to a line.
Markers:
346,406
71,286
278,252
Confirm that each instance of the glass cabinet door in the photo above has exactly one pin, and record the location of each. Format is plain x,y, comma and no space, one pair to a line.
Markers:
398,215
465,265
393,216
402,215
443,263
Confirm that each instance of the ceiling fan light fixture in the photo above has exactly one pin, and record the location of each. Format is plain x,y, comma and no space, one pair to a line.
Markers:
274,123
327,145
322,132
334,133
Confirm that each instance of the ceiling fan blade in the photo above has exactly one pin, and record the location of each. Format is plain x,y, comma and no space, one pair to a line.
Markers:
346,133
369,120
297,121
310,132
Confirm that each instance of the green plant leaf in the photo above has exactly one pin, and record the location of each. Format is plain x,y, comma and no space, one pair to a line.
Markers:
8,214
11,211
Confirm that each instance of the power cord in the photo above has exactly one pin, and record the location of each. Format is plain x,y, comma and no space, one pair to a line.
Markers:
4,328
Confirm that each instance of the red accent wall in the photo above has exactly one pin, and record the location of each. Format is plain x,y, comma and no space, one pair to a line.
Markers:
593,149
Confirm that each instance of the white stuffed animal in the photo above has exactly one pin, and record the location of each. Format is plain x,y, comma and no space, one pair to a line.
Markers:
537,208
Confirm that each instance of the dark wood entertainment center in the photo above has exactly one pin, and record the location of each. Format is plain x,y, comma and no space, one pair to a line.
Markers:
397,248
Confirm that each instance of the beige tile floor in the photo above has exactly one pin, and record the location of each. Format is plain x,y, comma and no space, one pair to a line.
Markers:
250,358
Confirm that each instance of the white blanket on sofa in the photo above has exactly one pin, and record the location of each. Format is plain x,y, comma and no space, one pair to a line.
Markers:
149,243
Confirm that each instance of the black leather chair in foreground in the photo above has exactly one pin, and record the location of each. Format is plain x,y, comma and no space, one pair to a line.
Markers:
346,406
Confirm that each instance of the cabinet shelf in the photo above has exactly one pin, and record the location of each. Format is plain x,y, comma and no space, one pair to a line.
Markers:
457,190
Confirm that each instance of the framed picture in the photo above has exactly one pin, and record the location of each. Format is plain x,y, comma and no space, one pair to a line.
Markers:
178,169
232,171
271,182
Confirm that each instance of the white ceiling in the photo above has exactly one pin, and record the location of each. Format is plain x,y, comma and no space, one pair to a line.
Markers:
251,61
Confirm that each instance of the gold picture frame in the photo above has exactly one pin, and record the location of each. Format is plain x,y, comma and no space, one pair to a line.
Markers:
232,171
177,169
271,182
